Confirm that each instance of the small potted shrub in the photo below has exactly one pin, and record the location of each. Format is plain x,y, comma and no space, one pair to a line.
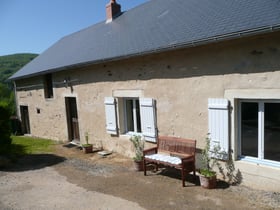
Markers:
87,148
207,175
138,143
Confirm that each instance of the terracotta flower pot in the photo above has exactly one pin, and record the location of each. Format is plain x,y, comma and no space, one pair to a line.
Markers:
87,149
208,182
138,165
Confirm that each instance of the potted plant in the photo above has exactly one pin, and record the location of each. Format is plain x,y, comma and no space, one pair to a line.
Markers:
207,175
87,148
138,143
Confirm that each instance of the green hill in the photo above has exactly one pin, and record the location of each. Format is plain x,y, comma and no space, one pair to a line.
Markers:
9,64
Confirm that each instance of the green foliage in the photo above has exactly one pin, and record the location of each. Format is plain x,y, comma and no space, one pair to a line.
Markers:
86,144
9,64
7,98
138,143
207,172
205,155
228,171
208,162
26,145
4,92
86,137
5,129
30,145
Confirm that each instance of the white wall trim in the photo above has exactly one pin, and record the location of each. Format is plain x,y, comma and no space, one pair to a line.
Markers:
128,93
252,94
64,95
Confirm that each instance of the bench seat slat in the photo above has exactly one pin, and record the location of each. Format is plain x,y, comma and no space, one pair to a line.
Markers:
165,158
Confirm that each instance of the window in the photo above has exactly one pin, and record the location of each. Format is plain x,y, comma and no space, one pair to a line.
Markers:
48,86
132,115
260,130
135,115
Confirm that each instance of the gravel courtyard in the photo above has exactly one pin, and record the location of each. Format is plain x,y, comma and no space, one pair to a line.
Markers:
69,179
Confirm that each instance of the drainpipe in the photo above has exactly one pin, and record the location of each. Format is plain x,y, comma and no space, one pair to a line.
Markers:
16,100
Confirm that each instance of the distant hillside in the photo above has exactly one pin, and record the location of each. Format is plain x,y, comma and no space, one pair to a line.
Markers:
9,64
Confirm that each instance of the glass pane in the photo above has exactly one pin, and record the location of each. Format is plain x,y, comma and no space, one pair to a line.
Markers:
249,129
272,131
129,115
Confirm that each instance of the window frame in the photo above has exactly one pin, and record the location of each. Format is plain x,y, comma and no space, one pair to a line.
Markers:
134,114
260,159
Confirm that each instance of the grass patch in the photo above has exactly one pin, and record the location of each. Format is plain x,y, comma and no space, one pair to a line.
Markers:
31,145
22,145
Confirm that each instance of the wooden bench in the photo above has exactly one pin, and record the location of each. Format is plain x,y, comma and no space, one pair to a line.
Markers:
173,152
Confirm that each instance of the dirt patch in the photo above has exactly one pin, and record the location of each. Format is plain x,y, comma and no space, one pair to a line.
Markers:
46,189
115,175
112,183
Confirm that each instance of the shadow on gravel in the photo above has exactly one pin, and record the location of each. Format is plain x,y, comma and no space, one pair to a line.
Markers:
176,174
222,184
173,173
33,162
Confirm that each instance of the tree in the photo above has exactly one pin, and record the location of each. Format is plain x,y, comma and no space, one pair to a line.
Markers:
7,97
5,129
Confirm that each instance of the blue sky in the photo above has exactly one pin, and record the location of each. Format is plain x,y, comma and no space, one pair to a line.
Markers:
32,26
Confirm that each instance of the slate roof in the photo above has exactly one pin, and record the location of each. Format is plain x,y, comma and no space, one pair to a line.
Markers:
154,26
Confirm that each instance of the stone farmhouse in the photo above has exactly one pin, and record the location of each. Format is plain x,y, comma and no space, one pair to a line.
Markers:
166,67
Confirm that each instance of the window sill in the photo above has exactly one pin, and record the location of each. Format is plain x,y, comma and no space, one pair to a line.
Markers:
129,134
49,99
259,162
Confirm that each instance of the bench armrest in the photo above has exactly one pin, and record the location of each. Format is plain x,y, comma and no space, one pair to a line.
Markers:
152,150
188,159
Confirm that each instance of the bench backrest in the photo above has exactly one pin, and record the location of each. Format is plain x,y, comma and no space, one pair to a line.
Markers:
175,144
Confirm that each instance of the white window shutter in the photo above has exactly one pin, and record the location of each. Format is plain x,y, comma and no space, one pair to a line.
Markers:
218,124
111,118
148,119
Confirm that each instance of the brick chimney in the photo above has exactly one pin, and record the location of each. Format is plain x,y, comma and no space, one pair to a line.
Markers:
113,9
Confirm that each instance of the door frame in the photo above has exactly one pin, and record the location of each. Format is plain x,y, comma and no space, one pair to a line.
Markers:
72,118
25,122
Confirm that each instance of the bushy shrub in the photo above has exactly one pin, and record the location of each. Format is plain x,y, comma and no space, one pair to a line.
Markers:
5,129
138,143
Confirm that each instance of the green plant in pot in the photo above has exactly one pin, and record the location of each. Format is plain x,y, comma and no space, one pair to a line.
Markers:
138,143
87,148
207,174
